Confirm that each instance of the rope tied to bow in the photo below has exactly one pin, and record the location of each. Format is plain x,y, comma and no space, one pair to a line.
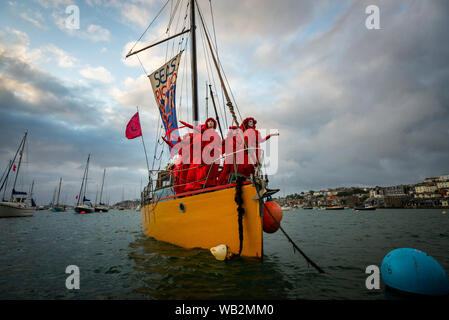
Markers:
240,210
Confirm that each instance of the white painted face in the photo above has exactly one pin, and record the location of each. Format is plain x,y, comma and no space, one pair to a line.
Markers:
250,123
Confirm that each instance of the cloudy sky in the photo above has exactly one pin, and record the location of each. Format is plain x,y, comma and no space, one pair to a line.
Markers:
354,106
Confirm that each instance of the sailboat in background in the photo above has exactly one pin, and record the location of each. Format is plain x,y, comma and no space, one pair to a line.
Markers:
83,205
101,207
19,204
57,207
231,214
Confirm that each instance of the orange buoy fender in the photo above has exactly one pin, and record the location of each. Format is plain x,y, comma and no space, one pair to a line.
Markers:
269,225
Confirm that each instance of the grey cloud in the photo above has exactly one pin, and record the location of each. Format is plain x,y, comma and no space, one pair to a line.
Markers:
388,122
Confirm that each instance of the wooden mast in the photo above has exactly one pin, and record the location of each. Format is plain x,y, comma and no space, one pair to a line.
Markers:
225,91
193,61
195,114
155,44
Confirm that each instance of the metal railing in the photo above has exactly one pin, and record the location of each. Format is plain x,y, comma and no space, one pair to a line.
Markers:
255,157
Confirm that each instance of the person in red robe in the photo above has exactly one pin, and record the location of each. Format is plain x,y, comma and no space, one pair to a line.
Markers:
230,147
179,172
210,155
203,173
252,138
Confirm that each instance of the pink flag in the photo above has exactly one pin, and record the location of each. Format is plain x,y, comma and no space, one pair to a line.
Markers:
133,129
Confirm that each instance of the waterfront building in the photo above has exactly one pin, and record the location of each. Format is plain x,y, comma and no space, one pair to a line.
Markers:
425,188
443,185
393,191
377,193
431,180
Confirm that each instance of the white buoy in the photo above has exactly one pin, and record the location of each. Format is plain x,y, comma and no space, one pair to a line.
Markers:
221,252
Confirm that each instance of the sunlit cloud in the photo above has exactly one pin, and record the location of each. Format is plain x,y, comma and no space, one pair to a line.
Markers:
98,74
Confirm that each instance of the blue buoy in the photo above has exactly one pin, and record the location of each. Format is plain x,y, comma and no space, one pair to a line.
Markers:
413,271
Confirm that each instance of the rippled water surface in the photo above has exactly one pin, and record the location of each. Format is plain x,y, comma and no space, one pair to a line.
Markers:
117,261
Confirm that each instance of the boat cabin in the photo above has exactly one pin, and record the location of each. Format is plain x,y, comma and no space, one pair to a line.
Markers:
164,180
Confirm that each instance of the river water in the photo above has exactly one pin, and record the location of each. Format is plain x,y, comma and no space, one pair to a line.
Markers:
117,261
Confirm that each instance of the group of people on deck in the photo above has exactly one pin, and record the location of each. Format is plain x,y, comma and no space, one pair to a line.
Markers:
198,163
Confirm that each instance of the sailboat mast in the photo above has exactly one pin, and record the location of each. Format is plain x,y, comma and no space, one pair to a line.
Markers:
59,192
194,64
5,182
82,185
87,173
6,171
18,167
225,91
102,184
31,190
81,189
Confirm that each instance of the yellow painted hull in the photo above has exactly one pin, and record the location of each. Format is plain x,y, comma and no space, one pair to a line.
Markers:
209,219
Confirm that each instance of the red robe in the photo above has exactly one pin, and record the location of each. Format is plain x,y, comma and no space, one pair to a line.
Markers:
252,155
230,145
179,172
199,170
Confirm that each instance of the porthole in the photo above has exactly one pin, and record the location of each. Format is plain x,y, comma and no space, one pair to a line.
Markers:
182,207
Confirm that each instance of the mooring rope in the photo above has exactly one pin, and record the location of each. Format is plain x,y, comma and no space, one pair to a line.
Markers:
295,247
241,211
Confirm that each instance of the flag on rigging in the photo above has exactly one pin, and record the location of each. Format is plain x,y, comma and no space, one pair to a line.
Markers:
133,129
163,81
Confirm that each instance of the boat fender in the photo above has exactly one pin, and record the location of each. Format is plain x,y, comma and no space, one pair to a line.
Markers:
221,252
413,271
270,225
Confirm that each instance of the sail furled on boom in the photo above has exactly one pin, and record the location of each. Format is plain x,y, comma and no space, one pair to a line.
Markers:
163,81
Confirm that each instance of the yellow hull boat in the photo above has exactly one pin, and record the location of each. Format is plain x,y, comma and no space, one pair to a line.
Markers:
206,220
